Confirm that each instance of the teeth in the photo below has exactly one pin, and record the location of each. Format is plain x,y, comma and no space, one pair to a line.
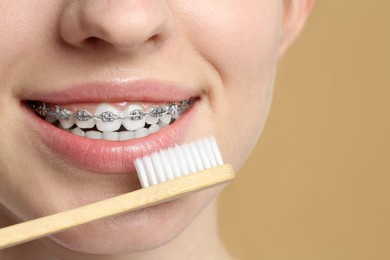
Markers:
67,123
161,124
166,119
141,133
65,129
175,116
85,124
78,131
108,122
154,128
94,135
84,119
151,119
130,124
126,135
104,110
51,119
111,136
174,111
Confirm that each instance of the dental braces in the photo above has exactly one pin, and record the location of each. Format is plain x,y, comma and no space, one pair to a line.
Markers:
59,113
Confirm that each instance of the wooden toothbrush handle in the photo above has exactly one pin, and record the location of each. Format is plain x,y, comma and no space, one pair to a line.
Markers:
37,228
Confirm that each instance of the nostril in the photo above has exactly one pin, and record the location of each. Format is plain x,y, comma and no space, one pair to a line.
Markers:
156,38
94,42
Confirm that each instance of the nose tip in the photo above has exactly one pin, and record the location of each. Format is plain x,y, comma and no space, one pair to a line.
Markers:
122,24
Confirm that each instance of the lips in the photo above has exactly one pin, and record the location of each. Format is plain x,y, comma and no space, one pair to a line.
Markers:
101,156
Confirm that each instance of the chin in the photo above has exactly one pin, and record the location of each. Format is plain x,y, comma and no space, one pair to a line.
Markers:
136,231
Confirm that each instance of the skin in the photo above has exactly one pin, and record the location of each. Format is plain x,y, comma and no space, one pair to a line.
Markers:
226,49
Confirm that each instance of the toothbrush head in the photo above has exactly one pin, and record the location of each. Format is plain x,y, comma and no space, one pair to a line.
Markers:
180,160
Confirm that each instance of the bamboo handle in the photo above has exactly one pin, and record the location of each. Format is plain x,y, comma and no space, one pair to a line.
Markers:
37,228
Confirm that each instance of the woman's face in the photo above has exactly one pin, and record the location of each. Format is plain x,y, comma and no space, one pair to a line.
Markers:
82,54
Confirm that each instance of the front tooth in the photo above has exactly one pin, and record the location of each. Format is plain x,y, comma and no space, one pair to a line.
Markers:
67,123
111,136
130,124
141,133
78,131
94,135
126,135
107,126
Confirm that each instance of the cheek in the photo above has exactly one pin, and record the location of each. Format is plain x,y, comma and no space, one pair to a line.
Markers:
23,37
238,38
239,42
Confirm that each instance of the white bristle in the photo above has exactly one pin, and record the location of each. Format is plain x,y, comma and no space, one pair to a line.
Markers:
178,161
150,173
209,152
167,166
189,159
174,164
195,155
139,167
216,151
203,155
181,160
157,165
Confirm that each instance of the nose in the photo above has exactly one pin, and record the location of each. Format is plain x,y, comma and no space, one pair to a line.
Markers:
121,24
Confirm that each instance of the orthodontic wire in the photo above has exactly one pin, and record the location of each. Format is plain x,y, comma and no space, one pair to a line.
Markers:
44,109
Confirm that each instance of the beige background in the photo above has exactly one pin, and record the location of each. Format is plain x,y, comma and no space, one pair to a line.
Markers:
317,185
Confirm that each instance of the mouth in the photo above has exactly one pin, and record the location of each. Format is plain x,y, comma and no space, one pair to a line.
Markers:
105,133
112,122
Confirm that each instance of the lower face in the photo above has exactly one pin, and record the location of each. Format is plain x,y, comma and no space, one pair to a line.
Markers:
222,54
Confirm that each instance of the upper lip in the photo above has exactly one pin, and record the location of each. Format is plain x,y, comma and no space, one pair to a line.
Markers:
118,91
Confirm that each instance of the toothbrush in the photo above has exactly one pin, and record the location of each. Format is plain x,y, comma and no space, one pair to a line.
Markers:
164,175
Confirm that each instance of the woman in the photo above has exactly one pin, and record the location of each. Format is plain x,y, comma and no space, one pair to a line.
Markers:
91,57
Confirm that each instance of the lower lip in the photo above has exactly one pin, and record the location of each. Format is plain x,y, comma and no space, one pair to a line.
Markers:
108,157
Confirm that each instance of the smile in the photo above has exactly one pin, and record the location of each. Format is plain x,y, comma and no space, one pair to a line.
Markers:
112,123
102,127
